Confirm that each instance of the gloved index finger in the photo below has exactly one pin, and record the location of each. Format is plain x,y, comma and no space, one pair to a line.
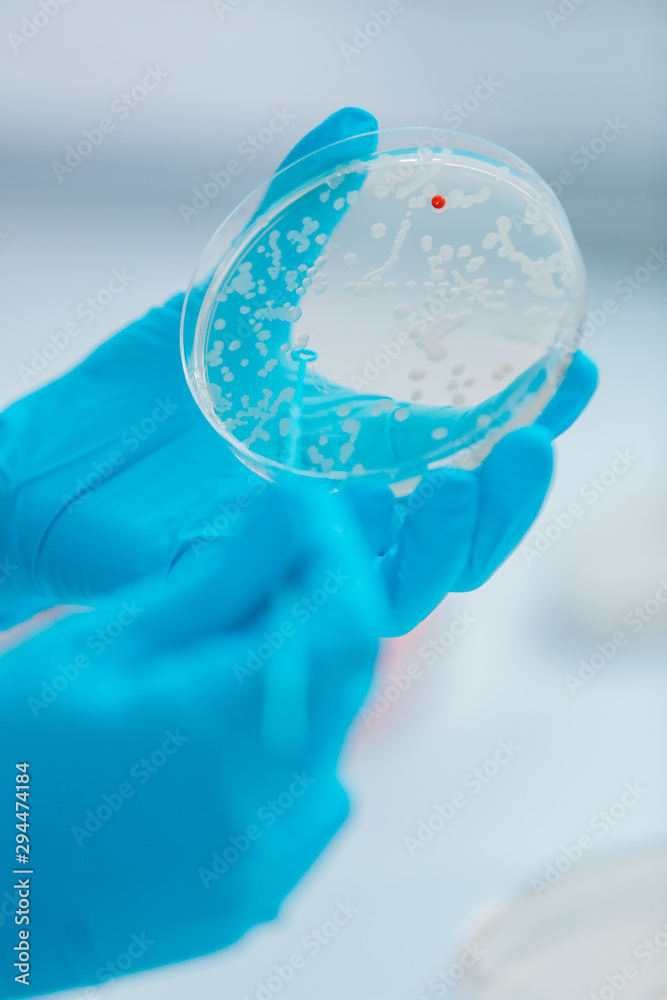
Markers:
379,435
335,139
572,397
280,255
344,124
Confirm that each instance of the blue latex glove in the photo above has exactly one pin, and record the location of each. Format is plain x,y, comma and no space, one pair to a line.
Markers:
111,473
458,527
186,778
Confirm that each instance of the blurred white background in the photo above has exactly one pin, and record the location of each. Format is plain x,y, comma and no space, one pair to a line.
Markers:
555,86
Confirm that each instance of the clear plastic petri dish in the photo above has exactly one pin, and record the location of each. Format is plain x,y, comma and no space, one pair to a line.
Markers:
597,933
391,304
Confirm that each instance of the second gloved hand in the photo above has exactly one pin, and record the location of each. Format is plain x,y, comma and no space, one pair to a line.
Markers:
183,746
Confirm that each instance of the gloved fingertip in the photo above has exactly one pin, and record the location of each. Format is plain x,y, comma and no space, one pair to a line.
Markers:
514,481
536,439
459,486
351,121
585,369
573,396
527,452
373,504
342,124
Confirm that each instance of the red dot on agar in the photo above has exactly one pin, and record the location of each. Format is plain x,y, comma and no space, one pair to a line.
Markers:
438,201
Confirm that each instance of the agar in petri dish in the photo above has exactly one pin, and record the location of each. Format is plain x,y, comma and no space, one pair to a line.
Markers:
386,306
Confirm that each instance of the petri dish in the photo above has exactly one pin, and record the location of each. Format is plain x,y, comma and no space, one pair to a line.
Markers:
383,307
599,932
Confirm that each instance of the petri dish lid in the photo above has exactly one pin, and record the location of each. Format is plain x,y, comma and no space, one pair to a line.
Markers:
391,304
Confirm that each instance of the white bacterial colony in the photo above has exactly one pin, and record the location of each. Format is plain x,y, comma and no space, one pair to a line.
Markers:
442,279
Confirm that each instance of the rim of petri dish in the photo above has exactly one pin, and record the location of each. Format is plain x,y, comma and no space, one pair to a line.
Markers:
293,181
582,927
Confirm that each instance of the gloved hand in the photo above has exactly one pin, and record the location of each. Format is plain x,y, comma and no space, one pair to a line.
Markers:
183,745
458,527
111,474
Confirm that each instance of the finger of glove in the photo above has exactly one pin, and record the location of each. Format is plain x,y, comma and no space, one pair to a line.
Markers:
433,547
513,483
341,125
375,507
316,681
277,263
573,396
401,438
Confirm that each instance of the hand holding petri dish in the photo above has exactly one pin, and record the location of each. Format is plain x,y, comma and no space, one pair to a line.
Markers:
389,305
